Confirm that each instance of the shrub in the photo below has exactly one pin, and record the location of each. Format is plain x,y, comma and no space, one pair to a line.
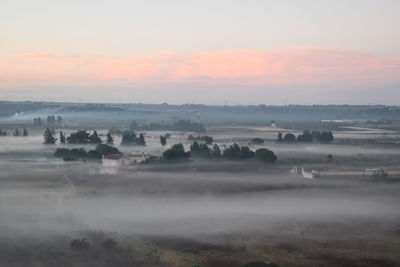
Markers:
176,152
266,155
235,152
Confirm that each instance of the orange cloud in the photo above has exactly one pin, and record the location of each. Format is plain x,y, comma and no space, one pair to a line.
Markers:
289,66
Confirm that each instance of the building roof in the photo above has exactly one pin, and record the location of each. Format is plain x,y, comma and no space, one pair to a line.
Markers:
113,156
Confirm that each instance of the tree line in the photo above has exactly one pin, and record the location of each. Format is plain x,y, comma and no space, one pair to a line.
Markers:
307,137
81,154
83,137
232,152
51,120
16,132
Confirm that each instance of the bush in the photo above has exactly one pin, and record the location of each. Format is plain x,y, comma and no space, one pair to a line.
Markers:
200,150
176,152
105,150
76,154
266,155
235,152
289,138
130,138
80,137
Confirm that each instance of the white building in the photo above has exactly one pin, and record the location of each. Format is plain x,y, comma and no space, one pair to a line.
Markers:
113,160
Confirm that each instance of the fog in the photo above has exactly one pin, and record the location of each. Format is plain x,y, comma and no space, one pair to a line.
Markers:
181,204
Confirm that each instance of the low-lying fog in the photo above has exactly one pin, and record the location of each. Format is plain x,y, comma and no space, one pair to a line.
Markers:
176,203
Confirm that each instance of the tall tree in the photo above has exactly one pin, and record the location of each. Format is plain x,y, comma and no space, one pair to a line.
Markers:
49,139
62,138
94,138
25,132
16,132
163,140
110,139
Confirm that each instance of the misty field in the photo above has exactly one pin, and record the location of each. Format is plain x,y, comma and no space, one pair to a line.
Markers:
202,212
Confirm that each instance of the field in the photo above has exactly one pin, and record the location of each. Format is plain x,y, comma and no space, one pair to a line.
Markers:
203,212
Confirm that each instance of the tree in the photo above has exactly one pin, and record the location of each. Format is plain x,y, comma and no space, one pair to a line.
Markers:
176,152
49,139
62,138
163,140
104,149
289,138
208,139
329,157
306,136
60,119
141,140
110,139
16,132
216,151
130,138
280,138
94,138
200,150
51,119
235,152
266,155
79,137
25,132
37,122
94,155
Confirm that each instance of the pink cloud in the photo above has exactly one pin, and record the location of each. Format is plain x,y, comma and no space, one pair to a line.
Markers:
279,67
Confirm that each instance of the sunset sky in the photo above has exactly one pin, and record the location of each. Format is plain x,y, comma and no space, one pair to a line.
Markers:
208,51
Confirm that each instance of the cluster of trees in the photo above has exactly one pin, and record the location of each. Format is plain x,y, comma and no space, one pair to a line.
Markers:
49,138
176,152
163,139
181,125
130,138
18,133
233,152
205,138
83,137
204,151
51,120
307,136
37,122
81,154
15,133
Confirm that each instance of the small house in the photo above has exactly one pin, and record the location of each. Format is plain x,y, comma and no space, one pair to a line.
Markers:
113,160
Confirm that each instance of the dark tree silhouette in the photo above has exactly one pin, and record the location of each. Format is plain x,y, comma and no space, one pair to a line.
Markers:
62,138
163,140
266,155
110,139
49,138
176,152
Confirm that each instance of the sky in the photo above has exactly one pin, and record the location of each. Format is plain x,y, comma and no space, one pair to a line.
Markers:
205,51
